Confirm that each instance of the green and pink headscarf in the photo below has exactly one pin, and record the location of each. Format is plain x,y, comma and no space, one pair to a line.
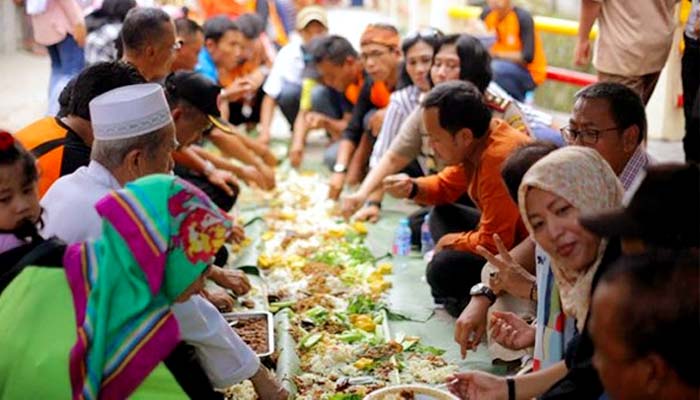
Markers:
159,234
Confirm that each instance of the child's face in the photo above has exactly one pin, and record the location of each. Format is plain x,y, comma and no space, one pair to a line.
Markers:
19,200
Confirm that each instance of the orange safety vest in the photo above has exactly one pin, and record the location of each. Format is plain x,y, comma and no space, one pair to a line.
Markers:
508,39
45,139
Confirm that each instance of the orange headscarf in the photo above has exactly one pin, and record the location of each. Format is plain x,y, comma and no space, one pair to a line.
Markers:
382,34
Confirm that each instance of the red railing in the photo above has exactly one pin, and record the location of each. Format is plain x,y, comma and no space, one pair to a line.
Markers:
570,76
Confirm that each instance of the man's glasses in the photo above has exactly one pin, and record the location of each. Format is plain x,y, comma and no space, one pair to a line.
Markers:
586,137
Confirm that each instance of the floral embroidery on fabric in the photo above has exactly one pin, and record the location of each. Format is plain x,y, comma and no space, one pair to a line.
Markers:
201,233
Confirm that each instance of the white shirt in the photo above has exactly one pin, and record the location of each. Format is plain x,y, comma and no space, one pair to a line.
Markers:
288,67
69,205
70,215
226,359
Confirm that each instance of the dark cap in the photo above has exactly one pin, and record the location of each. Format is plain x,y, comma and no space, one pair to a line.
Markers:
196,89
664,211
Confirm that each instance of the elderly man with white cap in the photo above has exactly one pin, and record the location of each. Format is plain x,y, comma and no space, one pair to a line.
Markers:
134,137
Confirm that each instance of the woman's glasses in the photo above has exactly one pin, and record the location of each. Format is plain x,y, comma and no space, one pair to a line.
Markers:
427,33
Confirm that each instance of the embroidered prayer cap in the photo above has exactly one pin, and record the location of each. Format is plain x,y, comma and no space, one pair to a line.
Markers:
129,111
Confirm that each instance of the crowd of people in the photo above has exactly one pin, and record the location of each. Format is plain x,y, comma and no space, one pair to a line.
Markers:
568,250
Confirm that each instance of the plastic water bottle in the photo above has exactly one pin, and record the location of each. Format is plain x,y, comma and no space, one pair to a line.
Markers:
402,243
426,238
530,98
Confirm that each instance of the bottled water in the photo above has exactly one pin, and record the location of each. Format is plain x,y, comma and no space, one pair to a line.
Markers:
426,239
402,240
530,98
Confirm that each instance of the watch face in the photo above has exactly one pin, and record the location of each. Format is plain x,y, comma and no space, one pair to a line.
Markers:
477,289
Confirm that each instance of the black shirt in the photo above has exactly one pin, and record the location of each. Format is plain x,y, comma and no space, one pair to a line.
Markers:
76,153
363,106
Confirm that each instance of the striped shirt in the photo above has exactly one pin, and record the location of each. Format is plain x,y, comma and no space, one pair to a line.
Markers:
401,104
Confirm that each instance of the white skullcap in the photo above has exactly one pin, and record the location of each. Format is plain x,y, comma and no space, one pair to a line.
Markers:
129,111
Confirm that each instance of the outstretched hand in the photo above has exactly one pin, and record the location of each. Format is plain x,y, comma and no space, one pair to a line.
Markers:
511,331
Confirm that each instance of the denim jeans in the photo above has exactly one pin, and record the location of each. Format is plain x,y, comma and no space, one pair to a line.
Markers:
514,78
67,60
329,102
288,101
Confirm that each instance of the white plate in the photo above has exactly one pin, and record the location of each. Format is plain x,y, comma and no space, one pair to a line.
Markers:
421,392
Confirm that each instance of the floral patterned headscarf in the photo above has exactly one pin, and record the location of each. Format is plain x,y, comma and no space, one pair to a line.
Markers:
582,177
159,234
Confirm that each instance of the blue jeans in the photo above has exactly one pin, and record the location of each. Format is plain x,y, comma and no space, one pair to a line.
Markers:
288,101
67,60
329,102
514,78
332,103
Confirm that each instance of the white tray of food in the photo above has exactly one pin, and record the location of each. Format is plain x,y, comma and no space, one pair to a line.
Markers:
410,392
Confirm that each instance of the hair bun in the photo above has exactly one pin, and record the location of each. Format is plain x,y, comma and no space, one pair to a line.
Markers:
6,141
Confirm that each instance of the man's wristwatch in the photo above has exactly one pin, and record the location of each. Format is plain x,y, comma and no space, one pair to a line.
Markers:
340,168
480,289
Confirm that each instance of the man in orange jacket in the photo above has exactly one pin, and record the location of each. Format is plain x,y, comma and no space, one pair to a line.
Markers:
463,133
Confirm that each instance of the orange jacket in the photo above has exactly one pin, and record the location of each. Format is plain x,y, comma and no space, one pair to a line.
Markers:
481,180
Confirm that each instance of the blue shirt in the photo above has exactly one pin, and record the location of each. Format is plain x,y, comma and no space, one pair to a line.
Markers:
206,66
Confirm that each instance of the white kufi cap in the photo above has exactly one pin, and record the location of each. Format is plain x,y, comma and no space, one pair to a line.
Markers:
129,111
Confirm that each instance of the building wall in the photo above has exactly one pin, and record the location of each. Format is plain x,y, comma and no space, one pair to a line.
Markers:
10,19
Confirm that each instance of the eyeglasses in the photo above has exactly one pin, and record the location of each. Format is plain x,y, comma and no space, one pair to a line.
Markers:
587,137
427,33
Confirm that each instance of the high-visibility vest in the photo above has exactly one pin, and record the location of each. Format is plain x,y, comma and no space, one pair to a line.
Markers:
45,139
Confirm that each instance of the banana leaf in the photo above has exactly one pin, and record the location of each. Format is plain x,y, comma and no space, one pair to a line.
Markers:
288,361
248,256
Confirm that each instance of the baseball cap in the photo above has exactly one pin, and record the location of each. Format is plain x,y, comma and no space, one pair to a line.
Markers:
664,211
312,13
199,91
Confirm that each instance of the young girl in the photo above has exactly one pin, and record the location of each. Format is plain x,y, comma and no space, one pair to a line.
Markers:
19,201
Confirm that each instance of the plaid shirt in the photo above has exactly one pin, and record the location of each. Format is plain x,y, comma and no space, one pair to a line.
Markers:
636,164
99,44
